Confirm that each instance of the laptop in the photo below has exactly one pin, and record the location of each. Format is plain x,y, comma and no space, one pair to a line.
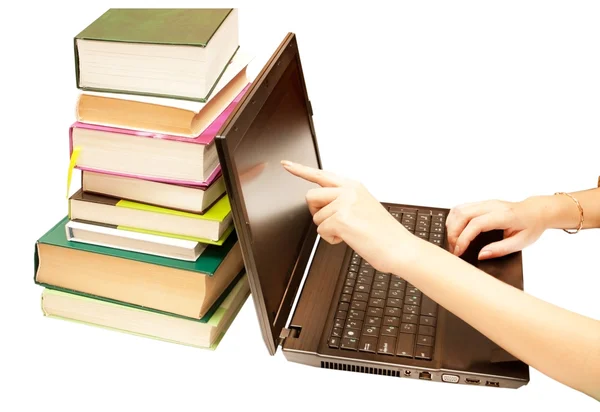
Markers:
322,304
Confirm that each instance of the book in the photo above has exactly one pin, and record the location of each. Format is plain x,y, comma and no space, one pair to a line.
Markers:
169,285
206,332
163,115
194,199
150,156
178,53
112,236
213,226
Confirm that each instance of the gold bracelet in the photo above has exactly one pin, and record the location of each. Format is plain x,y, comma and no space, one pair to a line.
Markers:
580,213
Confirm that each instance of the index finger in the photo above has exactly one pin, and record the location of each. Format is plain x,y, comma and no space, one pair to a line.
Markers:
318,176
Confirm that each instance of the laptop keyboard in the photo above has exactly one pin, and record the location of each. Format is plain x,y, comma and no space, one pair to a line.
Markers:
383,314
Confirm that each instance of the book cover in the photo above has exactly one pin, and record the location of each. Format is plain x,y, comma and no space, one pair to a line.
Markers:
207,264
177,27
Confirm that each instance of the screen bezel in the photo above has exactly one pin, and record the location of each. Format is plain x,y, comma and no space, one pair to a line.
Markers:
227,140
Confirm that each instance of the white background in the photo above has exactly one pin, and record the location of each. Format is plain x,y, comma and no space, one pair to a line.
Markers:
433,103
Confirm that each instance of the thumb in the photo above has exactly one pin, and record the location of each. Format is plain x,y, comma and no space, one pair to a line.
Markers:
504,247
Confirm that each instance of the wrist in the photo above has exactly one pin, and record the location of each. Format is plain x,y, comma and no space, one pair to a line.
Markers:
556,211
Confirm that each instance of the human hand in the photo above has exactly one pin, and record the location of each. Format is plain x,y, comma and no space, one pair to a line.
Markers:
344,210
521,221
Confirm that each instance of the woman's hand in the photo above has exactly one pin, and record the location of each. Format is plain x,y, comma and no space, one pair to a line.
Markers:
345,211
523,223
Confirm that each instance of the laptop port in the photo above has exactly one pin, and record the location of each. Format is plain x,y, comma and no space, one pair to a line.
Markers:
492,383
425,375
472,381
406,373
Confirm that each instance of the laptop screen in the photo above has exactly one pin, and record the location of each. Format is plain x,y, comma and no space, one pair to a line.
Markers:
273,124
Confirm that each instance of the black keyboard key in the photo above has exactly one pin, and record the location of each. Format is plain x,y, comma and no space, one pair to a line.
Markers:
395,293
427,320
344,306
334,342
425,340
413,290
382,277
406,345
411,309
348,290
361,287
424,217
391,321
338,323
354,324
341,314
366,264
422,235
408,328
380,285
437,225
369,272
346,297
428,307
349,343
394,302
355,261
353,268
389,331
351,333
410,228
423,352
359,305
368,344
436,242
377,303
422,227
378,312
351,275
361,296
435,236
386,345
356,255
373,321
393,311
379,294
364,280
437,230
337,332
397,216
350,282
370,331
356,314
437,218
398,284
412,300
426,330
409,318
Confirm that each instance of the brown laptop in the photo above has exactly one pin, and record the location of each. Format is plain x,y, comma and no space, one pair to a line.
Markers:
323,304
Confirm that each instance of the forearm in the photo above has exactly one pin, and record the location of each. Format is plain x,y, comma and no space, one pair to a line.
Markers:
561,212
557,342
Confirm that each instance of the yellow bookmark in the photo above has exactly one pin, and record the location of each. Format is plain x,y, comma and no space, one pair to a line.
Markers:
72,164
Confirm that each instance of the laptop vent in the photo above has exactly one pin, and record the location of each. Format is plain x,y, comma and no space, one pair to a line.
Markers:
359,369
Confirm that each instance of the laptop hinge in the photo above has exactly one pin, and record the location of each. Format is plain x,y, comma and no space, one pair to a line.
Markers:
288,333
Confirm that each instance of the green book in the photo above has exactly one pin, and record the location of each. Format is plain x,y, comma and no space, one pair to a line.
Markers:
203,333
176,53
186,288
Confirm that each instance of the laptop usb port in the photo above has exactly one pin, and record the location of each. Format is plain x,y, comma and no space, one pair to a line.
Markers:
492,383
472,381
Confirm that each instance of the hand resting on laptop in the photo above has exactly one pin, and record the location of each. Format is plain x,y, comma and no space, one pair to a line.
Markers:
536,332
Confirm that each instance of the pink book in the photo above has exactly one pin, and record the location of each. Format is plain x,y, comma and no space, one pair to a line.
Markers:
205,138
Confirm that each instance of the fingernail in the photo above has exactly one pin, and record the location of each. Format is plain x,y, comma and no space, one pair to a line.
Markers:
485,254
286,163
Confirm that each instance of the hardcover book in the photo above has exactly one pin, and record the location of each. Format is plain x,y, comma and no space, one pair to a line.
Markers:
178,53
169,285
151,156
205,333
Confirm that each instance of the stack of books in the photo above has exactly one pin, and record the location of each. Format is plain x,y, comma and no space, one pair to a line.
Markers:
149,246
